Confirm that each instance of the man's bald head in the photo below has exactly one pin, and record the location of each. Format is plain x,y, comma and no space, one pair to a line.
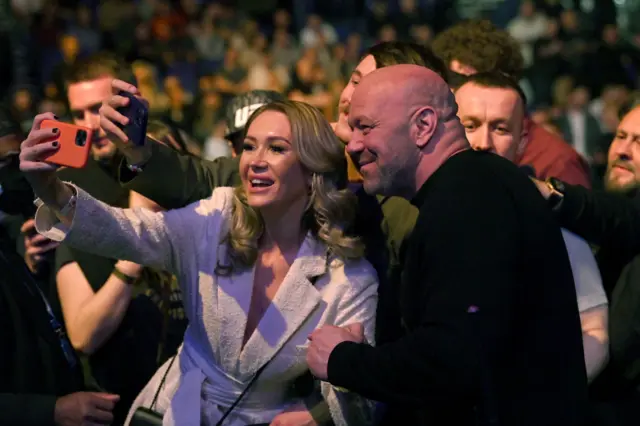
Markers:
409,86
400,115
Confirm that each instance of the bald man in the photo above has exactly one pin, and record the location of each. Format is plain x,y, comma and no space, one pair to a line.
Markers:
492,331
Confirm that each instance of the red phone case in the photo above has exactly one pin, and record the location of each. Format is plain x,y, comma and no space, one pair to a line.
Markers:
75,144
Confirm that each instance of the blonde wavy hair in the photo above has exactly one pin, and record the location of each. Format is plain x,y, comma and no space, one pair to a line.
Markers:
331,208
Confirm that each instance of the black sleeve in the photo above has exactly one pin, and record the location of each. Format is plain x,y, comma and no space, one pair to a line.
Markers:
64,256
467,257
27,409
601,218
174,180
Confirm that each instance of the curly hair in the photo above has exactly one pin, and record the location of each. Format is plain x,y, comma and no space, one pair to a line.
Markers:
481,45
331,207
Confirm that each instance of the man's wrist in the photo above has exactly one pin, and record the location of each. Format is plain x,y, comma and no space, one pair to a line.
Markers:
127,271
556,193
136,160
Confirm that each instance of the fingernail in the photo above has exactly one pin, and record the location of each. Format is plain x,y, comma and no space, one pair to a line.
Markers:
55,144
55,130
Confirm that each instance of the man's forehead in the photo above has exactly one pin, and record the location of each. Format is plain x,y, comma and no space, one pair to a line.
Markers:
89,91
630,123
492,97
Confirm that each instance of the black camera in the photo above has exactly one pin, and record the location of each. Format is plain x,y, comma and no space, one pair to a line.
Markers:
81,138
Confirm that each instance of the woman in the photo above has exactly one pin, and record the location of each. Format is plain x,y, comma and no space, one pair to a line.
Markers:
254,284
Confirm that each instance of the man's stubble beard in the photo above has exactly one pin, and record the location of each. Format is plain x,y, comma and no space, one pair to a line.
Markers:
629,190
397,177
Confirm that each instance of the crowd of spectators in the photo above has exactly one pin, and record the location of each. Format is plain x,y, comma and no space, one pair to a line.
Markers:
190,57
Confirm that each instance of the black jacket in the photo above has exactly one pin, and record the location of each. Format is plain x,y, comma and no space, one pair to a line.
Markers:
33,369
489,308
603,219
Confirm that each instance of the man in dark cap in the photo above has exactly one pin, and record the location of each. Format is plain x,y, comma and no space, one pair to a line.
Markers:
240,109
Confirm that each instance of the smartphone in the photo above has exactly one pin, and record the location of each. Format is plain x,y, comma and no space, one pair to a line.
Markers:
75,144
138,115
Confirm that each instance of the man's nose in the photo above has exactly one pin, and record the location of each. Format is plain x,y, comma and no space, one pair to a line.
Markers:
622,149
481,141
355,144
92,120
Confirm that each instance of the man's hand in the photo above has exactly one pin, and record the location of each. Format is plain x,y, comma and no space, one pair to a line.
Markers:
542,186
36,246
298,416
324,340
85,409
111,119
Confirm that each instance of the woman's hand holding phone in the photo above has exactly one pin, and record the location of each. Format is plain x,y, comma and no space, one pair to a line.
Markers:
40,144
113,122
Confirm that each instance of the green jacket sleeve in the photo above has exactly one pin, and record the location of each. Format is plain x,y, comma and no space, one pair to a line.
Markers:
174,180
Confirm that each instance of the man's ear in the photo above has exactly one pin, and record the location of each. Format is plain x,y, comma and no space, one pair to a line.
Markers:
424,126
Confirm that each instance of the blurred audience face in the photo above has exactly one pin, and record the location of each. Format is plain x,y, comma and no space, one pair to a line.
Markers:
85,99
553,28
70,47
388,33
422,34
22,100
271,172
407,6
84,16
610,34
569,20
314,22
493,118
578,98
527,9
281,19
609,117
623,168
366,66
615,94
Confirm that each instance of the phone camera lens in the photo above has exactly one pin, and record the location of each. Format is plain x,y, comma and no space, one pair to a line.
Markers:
139,120
81,138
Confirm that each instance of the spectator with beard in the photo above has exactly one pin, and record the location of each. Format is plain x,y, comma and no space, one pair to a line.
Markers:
491,109
41,376
612,221
478,46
